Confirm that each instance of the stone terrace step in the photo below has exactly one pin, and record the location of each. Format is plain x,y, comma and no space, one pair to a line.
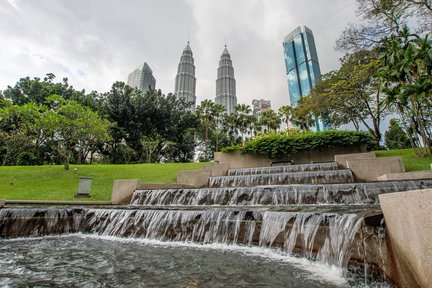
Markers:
284,169
331,176
278,195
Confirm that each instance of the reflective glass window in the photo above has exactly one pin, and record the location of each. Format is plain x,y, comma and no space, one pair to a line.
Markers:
298,44
293,87
289,56
304,79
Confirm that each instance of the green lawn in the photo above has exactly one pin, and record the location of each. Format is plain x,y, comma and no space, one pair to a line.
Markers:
54,183
411,161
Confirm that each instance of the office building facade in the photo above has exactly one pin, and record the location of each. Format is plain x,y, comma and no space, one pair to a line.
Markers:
301,63
226,84
142,78
302,67
185,83
259,106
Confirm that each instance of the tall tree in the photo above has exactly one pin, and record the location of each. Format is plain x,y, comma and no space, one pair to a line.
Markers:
382,18
269,119
206,112
285,113
353,94
407,77
71,126
20,130
243,119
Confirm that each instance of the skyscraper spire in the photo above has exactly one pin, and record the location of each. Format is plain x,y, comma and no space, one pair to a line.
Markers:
225,83
185,82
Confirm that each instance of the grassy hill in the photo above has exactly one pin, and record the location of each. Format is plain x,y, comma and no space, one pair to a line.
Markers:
411,161
54,183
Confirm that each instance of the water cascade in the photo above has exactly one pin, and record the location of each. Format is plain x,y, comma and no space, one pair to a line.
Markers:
315,211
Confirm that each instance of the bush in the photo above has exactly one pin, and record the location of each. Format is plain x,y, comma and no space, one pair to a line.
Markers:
279,145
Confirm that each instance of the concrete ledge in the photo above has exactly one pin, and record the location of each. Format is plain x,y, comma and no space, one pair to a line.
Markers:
218,169
123,190
158,186
409,227
236,159
2,203
342,158
194,178
370,169
406,176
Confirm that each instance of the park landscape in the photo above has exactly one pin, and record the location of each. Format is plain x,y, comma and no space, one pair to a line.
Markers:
184,197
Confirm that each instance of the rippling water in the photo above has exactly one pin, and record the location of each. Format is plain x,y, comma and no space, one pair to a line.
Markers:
93,261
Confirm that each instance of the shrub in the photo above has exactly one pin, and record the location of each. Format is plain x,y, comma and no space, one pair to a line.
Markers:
279,145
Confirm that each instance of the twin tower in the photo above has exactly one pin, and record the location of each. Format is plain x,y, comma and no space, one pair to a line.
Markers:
185,83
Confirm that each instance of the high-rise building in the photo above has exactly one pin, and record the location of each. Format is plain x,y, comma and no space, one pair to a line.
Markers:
185,82
260,106
302,66
142,78
301,63
226,84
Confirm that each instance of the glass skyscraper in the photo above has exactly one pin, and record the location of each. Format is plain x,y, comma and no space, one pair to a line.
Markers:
301,63
302,66
142,78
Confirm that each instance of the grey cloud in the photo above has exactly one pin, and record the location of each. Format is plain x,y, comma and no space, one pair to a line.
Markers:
100,42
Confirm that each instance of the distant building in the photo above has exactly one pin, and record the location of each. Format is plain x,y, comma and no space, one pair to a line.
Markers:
185,82
142,78
260,106
226,84
302,66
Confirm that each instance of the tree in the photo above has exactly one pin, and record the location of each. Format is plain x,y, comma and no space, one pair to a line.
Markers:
243,119
269,119
35,90
407,80
205,112
352,94
71,126
382,18
20,129
395,137
285,113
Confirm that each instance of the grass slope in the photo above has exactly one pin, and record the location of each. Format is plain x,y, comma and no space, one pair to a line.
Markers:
411,161
54,183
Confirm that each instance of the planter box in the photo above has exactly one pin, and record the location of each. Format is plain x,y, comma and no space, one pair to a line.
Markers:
236,159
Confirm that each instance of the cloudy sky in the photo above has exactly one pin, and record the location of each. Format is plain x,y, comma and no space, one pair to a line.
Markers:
97,42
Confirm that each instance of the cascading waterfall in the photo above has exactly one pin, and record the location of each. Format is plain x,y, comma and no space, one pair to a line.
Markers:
313,210
276,195
287,231
284,169
331,176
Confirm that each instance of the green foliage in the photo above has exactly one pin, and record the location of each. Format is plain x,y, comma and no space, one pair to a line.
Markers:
395,137
278,145
231,148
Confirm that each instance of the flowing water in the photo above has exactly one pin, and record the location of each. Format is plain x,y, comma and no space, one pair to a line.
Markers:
250,229
93,261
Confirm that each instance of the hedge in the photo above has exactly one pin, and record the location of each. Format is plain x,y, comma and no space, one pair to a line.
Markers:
279,145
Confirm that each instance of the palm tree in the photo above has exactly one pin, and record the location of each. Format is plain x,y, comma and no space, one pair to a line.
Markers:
270,119
243,118
285,113
218,113
205,112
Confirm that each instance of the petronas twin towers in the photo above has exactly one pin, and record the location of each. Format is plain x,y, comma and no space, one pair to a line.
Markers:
185,83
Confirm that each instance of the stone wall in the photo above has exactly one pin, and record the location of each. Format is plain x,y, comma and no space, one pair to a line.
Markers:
236,159
408,219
